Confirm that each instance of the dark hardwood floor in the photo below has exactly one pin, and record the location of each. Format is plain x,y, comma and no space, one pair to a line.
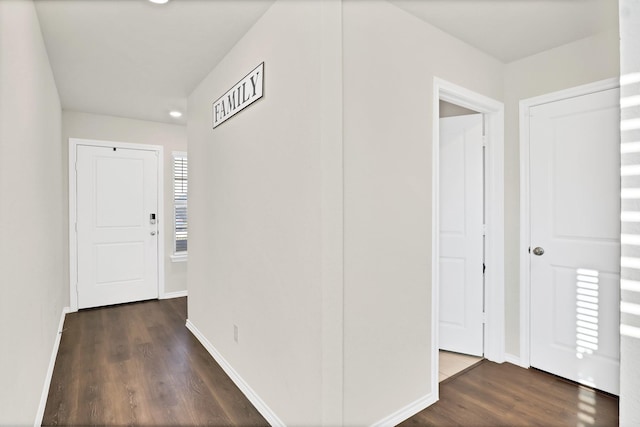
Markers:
137,364
489,394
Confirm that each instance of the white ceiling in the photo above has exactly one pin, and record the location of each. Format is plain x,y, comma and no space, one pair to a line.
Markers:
132,58
136,59
513,29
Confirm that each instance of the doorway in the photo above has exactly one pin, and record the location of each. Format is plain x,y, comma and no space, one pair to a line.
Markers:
115,202
571,225
487,218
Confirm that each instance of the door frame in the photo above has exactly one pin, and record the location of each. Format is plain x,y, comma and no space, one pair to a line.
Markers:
73,242
525,201
493,112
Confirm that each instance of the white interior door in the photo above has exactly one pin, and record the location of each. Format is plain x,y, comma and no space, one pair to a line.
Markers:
117,239
575,220
461,234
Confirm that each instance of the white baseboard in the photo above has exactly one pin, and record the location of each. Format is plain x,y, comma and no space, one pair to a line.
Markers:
177,294
244,387
514,360
406,412
52,364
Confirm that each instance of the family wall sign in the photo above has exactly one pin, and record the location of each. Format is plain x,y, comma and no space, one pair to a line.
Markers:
244,93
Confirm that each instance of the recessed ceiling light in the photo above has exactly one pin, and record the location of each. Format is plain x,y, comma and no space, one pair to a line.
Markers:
175,114
159,1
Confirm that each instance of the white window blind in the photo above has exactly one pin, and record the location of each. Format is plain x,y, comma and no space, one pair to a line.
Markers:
180,183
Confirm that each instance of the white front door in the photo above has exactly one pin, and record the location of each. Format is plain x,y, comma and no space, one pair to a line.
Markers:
575,238
117,240
461,235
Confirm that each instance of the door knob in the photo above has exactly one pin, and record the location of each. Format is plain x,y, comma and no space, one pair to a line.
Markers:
538,251
153,233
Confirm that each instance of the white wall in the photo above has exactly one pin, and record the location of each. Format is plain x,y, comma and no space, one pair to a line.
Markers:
118,129
265,211
31,213
258,211
584,61
390,60
630,329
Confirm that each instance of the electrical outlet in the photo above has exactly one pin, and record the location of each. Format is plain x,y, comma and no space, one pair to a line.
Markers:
235,333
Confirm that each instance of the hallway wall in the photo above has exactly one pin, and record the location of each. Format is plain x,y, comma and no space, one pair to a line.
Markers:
390,60
32,287
257,219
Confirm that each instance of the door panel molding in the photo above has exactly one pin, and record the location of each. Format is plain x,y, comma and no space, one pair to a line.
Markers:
494,201
525,206
73,247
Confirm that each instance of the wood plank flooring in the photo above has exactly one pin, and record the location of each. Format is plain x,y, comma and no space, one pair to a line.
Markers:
137,364
489,394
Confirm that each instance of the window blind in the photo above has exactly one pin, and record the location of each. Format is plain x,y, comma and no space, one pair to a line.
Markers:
180,183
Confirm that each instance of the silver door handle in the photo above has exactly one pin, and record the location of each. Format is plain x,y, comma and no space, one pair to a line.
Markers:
153,233
538,251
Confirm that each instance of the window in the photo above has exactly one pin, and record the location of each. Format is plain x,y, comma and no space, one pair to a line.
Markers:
180,172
